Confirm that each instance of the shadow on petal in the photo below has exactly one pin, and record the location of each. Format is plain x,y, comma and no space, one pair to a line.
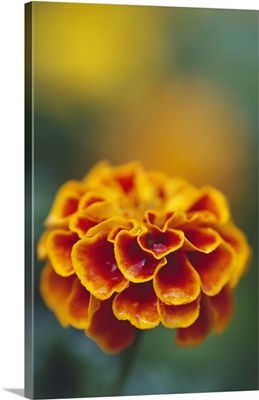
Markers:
199,330
222,305
111,334
78,305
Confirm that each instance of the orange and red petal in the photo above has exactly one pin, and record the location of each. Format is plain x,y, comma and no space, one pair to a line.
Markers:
159,219
237,239
102,210
199,330
177,282
78,305
55,291
180,316
129,177
59,247
80,223
42,245
111,335
95,265
222,307
201,239
138,305
110,227
159,243
90,197
96,173
213,202
164,187
215,269
65,203
135,264
180,195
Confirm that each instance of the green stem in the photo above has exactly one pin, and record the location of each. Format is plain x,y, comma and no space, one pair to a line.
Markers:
128,358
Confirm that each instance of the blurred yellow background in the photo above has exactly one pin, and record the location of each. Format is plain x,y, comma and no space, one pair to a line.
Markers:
93,52
176,89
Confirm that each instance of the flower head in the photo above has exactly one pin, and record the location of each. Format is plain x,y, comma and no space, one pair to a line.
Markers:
128,249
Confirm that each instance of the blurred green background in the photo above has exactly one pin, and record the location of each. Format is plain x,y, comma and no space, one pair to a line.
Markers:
176,89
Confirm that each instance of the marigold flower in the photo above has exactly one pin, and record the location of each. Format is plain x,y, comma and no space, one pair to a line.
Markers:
128,249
